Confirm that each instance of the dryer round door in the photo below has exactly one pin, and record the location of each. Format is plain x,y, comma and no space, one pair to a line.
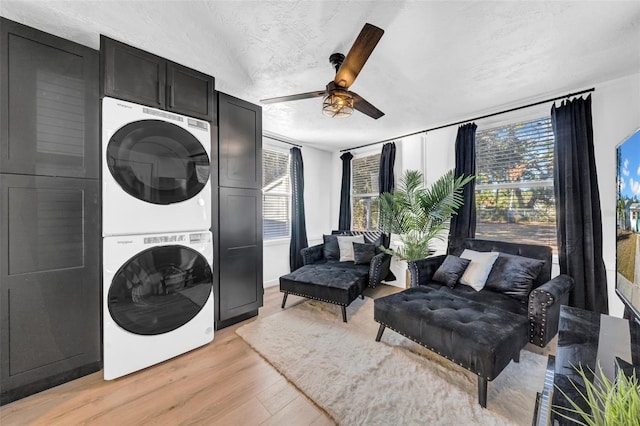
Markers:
157,162
160,289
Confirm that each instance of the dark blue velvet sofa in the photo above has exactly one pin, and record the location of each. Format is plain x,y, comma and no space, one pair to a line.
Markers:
480,330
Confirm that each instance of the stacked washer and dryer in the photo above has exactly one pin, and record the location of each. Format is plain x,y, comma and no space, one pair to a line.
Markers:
157,246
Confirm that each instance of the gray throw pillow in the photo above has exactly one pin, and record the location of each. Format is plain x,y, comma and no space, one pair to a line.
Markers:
451,270
513,275
363,253
331,248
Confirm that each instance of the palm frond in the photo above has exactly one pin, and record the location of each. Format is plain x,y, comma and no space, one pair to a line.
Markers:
418,214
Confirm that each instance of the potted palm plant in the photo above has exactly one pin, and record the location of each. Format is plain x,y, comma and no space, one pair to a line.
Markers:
420,215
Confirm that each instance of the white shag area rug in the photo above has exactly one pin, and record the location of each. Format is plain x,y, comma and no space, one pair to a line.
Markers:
359,381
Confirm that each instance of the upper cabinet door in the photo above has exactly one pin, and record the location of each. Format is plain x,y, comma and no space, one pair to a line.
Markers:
239,142
190,92
138,76
49,104
132,74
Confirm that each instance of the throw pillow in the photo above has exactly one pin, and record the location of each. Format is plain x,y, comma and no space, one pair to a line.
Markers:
478,270
346,246
451,270
331,248
513,275
363,253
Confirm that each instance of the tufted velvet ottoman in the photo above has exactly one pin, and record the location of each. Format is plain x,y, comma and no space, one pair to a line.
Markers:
327,283
476,336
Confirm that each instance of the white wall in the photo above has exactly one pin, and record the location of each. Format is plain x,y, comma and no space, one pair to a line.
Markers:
317,163
616,115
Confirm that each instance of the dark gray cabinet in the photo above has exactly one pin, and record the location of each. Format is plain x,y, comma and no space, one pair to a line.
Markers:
48,104
240,143
190,92
240,243
49,211
238,207
134,75
49,282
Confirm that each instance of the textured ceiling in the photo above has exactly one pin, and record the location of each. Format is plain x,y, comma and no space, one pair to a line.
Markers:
437,61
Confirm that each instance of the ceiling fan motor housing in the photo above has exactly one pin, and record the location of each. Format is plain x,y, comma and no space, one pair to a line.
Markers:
336,60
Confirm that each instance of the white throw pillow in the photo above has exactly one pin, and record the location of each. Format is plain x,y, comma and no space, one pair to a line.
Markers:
476,274
346,246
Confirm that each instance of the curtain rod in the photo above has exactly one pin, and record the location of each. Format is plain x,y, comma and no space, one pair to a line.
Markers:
474,119
280,140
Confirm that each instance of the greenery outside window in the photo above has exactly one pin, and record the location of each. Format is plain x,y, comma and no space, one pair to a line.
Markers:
514,183
365,205
276,196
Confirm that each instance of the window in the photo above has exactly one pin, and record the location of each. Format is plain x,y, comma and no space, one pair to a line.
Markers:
276,194
514,184
364,192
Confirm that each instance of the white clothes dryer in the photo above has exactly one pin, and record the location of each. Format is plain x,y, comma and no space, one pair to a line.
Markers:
157,298
155,170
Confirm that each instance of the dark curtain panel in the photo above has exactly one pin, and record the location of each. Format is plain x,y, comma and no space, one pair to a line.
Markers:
344,221
298,224
579,222
386,181
463,224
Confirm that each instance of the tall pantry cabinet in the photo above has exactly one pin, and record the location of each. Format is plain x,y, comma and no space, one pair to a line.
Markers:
49,211
238,286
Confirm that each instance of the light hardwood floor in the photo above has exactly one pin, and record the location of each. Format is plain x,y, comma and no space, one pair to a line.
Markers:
223,383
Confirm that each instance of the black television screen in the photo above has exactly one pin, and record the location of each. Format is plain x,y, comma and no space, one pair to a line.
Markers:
628,224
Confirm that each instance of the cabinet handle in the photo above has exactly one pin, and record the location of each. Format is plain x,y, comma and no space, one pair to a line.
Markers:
159,91
171,96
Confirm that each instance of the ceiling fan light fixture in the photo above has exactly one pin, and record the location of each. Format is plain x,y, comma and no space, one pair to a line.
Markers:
338,103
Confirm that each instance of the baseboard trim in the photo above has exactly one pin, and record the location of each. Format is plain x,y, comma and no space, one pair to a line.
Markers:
10,395
271,283
226,323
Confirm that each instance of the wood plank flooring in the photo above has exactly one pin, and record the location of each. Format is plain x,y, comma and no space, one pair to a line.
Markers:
223,383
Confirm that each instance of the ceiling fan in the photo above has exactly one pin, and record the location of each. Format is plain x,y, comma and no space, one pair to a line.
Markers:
339,101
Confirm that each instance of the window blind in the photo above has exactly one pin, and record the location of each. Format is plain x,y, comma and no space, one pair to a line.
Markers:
276,194
515,154
514,183
364,190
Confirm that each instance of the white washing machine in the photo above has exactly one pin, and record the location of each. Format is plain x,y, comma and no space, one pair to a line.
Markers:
157,298
155,170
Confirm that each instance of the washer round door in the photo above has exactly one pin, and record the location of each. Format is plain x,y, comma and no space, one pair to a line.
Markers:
160,289
158,162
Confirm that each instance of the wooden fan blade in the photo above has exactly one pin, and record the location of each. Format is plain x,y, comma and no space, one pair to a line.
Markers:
358,55
299,96
360,104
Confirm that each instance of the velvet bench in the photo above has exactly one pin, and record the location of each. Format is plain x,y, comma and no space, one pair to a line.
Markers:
326,282
473,335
